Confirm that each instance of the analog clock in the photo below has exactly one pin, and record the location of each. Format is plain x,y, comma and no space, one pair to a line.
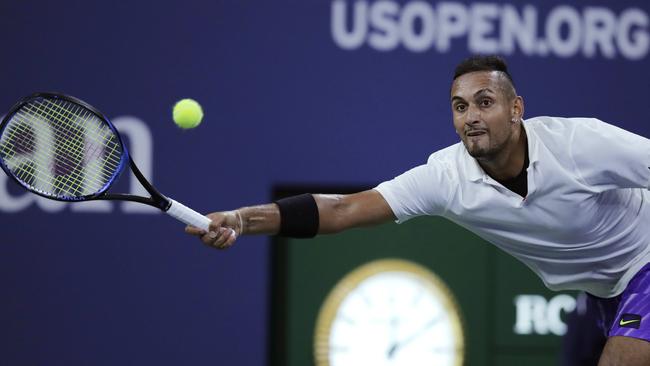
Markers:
389,312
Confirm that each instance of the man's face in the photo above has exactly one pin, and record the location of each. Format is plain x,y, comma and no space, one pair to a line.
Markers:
483,112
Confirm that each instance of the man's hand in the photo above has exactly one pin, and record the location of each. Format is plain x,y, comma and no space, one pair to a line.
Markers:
224,229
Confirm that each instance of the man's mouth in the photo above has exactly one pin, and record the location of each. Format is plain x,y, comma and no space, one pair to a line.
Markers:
473,133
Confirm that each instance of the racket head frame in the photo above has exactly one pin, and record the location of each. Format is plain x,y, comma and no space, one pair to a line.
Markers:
124,158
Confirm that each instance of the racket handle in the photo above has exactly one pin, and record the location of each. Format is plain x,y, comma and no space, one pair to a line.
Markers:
187,215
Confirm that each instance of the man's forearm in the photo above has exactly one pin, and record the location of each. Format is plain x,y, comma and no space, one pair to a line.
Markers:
336,213
266,219
262,219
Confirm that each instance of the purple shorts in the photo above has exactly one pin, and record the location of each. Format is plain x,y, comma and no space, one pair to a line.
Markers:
627,314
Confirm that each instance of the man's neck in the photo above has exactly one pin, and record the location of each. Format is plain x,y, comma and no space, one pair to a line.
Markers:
510,161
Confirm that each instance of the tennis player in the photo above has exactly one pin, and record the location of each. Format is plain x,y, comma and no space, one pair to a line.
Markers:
566,196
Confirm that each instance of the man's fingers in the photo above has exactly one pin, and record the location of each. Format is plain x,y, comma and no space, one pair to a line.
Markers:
220,233
222,238
229,242
227,239
210,237
189,229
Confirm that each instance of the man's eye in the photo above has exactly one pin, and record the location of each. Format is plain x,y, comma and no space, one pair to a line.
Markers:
486,102
460,107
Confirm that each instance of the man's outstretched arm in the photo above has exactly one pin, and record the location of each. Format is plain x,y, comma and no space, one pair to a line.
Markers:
335,213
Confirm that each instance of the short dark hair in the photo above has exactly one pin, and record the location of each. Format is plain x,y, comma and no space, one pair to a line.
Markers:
483,63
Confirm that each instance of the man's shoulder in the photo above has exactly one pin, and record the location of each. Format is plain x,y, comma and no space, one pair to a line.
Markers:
560,127
572,140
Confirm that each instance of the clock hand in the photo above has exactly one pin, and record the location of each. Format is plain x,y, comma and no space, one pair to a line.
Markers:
392,349
394,323
413,336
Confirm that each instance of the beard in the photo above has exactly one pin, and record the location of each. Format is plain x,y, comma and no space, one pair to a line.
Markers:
479,149
482,150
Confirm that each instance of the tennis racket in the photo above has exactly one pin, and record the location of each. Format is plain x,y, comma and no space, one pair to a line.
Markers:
61,148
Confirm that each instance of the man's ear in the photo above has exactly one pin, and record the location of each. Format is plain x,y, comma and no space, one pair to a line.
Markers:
517,112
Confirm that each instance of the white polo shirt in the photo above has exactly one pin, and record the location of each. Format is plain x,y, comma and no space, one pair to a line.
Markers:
585,223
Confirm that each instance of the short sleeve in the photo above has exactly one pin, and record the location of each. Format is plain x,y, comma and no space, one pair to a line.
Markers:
607,157
423,190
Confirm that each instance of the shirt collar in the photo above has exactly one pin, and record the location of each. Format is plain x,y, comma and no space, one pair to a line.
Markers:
476,173
533,144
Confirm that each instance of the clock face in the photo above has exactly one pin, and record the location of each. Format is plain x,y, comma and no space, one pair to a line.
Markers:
389,312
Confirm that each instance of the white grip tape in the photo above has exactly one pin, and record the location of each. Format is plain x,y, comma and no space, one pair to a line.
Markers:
187,215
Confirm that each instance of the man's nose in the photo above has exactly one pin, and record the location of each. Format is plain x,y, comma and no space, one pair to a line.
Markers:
473,115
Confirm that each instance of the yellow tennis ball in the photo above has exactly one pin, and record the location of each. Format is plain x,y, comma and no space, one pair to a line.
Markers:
187,113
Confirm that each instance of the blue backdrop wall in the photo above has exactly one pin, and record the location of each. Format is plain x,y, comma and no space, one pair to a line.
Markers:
302,92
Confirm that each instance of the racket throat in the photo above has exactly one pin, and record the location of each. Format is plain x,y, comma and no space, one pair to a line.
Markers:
157,199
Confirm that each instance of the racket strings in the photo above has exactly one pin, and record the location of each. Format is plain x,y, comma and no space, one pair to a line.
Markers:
96,126
66,156
107,135
63,183
69,183
76,147
60,148
68,151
